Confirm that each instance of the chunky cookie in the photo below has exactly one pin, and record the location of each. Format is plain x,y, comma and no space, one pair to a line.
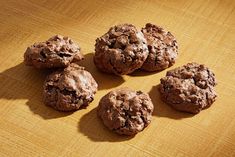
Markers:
69,89
58,51
121,50
125,111
162,46
189,88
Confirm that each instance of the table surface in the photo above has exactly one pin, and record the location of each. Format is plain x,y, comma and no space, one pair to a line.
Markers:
205,33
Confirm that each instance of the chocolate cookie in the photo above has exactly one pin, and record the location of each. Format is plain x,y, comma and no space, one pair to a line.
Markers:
121,50
69,89
162,46
58,51
125,111
189,88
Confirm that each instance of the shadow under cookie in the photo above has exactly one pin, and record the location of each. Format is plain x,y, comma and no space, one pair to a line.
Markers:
161,109
91,126
104,80
140,73
22,82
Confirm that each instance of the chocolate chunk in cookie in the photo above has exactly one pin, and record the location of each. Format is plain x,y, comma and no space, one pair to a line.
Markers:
189,88
69,89
58,51
121,50
125,111
162,46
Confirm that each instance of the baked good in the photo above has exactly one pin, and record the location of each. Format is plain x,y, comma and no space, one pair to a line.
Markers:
69,89
162,46
56,52
125,111
189,88
121,50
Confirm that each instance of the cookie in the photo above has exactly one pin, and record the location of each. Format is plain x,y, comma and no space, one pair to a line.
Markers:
58,51
189,88
69,89
125,111
162,46
121,50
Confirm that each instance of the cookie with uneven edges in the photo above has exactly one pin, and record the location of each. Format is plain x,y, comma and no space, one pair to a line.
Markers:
56,52
126,111
162,46
121,50
189,88
69,89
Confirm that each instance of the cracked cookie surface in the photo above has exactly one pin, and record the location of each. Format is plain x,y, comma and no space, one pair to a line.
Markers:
121,50
58,51
69,89
162,46
125,111
189,88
